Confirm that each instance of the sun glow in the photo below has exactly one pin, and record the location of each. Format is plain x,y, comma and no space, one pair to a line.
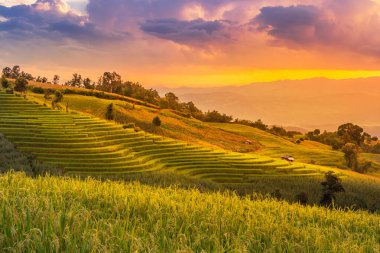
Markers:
244,77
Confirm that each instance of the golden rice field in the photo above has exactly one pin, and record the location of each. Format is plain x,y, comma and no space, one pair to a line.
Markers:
51,214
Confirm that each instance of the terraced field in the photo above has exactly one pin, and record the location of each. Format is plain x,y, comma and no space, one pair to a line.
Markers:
84,145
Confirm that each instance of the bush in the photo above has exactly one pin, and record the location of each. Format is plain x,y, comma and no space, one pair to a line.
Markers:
110,114
331,185
4,83
38,90
157,121
302,198
21,84
58,96
129,125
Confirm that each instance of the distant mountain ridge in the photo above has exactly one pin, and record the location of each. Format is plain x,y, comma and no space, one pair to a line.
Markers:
312,103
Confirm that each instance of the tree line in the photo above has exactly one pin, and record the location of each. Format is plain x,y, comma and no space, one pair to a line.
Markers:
112,82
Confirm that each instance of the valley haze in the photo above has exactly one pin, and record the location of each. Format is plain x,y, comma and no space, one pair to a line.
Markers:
308,104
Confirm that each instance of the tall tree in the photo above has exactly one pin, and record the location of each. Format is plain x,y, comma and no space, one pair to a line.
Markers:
76,81
351,151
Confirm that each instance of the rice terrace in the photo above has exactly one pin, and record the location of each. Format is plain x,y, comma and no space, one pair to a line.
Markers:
252,130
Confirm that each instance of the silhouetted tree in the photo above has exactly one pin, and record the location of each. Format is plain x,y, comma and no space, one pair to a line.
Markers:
331,186
76,81
56,79
87,83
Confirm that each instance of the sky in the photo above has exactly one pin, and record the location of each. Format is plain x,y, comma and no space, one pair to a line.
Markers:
197,43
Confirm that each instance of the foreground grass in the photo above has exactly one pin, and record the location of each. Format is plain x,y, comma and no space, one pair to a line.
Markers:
60,214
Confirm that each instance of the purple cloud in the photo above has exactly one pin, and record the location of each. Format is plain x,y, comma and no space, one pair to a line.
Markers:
348,25
50,19
195,33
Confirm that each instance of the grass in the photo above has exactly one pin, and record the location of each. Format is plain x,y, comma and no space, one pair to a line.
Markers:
306,152
50,214
174,126
83,145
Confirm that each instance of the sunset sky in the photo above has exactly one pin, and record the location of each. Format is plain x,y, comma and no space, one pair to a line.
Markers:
193,42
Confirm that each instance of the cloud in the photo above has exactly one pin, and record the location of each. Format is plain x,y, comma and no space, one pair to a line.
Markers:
50,19
194,33
344,25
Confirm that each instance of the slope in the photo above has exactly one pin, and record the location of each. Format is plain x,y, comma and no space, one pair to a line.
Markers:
80,144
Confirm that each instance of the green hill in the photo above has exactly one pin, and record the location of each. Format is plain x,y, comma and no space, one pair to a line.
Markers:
81,144
50,214
84,145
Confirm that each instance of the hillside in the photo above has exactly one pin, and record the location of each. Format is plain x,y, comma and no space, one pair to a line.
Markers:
70,215
236,138
81,144
84,145
296,103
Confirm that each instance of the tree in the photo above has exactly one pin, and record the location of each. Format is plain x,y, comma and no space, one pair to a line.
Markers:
4,82
317,132
58,96
172,100
15,72
351,151
44,80
331,186
110,114
109,82
27,76
87,83
47,95
260,125
7,71
56,79
21,84
76,81
156,121
351,133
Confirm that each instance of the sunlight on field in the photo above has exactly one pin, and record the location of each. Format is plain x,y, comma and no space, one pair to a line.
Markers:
71,215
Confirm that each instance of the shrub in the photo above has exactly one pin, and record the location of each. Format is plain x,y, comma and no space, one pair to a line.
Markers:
21,84
276,194
38,90
4,83
302,198
58,96
157,121
331,186
110,114
129,125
